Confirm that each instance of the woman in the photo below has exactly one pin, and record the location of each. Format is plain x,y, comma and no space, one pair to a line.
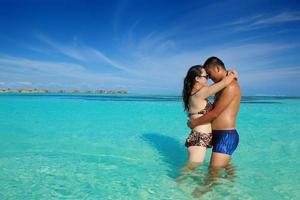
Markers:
195,93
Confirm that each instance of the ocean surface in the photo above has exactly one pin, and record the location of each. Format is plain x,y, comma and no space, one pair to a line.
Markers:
132,147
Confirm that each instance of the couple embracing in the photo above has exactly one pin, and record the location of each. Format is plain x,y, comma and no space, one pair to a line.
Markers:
212,125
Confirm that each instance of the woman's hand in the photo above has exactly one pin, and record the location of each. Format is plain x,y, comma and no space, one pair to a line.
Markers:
233,73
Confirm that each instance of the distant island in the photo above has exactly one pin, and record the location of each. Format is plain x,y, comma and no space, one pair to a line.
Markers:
74,91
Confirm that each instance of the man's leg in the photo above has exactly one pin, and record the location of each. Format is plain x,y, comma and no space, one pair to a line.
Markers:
219,160
223,141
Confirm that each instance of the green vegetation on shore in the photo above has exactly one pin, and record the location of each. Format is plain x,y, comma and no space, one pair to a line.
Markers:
8,90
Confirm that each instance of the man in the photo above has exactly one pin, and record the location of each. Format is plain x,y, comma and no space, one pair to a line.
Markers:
222,117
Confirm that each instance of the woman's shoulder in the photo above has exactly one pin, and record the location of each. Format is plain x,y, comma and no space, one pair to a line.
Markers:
200,93
197,99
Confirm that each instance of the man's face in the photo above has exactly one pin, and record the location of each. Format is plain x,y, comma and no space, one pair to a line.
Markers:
213,73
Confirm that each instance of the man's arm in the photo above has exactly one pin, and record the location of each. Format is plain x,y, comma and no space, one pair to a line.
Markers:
222,103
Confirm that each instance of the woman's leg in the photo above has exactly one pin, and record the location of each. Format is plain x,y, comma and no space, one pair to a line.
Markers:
196,154
196,157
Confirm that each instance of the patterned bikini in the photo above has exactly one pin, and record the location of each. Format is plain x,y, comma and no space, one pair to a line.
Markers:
197,138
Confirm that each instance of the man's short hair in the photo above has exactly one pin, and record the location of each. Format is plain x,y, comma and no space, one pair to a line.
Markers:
213,61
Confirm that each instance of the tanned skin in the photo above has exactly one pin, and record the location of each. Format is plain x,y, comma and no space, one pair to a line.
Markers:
222,117
224,114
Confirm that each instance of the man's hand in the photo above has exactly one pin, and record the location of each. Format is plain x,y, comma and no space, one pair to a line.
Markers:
191,123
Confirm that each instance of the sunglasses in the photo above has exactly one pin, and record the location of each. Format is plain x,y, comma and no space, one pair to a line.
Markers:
205,76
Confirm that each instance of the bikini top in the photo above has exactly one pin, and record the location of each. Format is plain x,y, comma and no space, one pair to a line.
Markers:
207,108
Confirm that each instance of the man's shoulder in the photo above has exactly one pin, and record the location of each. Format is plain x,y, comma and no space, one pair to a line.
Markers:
232,88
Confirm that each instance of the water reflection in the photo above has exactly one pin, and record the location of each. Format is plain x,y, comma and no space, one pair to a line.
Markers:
205,177
170,150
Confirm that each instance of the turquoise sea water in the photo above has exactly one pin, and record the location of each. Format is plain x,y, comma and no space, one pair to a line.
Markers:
132,147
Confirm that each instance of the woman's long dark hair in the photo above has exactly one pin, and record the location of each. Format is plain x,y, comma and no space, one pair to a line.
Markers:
188,84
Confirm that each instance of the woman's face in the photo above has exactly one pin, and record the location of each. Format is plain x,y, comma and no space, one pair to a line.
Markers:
203,77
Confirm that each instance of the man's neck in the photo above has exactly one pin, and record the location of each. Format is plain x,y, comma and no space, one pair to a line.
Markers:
224,74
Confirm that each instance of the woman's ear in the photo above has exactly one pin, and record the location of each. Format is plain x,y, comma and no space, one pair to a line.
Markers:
197,78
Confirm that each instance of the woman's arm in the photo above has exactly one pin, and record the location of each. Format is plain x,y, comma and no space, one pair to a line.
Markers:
213,89
222,103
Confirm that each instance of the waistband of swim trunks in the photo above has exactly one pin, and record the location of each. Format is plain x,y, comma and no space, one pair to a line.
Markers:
224,131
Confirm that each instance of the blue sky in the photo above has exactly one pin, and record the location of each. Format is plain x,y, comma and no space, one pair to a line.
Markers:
148,46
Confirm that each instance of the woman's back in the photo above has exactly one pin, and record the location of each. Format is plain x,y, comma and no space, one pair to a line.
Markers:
198,105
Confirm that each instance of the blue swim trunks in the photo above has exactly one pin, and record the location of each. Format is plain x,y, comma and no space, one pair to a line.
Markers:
225,141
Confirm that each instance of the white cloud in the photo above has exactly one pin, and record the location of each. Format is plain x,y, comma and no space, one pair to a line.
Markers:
158,60
24,83
169,70
261,21
273,76
82,53
279,18
15,69
162,71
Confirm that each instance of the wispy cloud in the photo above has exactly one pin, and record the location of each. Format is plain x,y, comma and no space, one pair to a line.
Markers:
57,68
279,18
83,53
261,21
151,61
280,80
65,50
273,76
169,70
156,56
15,70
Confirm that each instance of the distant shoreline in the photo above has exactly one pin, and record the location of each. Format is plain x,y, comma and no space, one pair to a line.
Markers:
60,91
93,92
